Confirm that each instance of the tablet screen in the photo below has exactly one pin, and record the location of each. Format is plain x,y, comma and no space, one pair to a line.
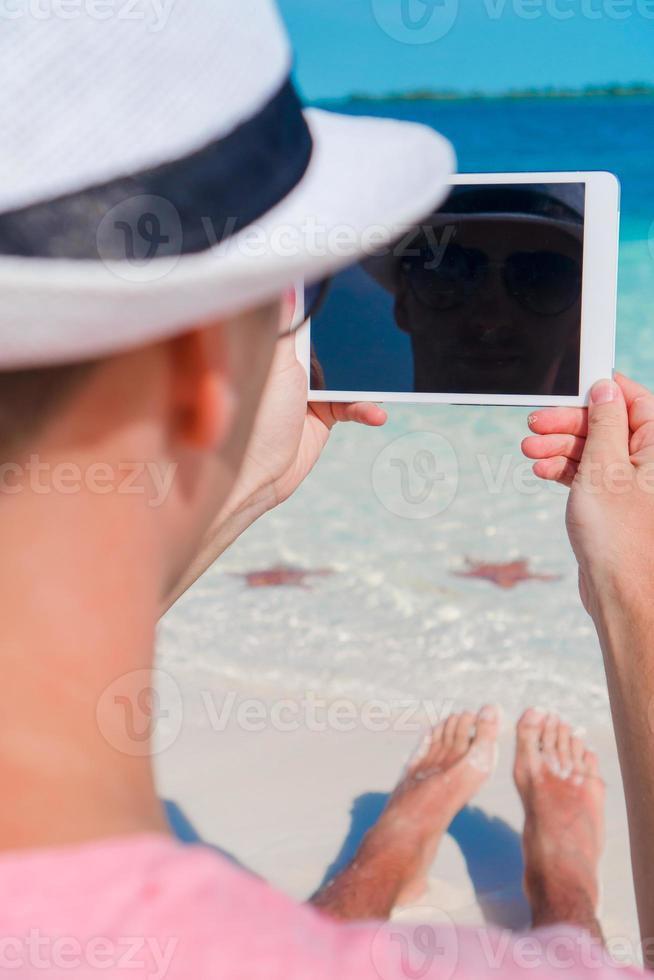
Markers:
483,297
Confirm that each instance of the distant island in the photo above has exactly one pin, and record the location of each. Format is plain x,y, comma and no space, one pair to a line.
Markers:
433,95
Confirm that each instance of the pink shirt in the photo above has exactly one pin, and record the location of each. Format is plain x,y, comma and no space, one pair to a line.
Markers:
148,907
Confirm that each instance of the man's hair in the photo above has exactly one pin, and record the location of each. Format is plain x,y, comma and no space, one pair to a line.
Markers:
28,398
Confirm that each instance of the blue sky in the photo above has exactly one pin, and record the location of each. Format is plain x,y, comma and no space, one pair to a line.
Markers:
352,45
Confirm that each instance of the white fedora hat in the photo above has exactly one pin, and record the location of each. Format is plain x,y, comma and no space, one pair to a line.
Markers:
157,170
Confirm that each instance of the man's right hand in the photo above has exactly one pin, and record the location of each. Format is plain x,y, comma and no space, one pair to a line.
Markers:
605,454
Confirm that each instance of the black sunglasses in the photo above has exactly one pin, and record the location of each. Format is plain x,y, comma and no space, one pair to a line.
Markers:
542,282
314,297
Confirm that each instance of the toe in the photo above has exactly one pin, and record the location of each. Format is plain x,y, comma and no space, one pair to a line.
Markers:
449,732
488,723
577,750
435,750
549,736
429,750
591,763
564,750
464,733
529,733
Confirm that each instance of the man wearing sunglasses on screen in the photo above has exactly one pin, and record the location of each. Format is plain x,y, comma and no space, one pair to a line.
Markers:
489,290
149,412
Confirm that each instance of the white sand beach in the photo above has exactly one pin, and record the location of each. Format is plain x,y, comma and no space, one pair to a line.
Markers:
291,805
393,624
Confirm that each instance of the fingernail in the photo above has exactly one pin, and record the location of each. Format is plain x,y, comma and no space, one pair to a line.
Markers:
531,421
489,713
603,392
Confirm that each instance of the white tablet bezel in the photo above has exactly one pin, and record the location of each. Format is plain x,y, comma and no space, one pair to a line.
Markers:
599,299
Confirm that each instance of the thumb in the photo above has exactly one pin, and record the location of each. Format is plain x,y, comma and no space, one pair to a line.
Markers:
608,425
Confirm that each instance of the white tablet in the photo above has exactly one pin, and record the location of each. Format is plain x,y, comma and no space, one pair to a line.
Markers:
504,296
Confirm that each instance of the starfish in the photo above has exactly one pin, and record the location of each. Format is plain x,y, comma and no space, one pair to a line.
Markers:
282,575
506,575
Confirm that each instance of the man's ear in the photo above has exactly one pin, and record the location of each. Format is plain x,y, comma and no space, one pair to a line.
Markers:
202,393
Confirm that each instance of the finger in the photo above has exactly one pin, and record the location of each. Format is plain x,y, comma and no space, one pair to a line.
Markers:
608,426
631,390
553,420
325,412
556,470
640,403
544,447
365,413
642,441
287,309
285,351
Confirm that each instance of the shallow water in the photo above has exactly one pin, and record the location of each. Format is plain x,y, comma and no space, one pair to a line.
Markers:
394,620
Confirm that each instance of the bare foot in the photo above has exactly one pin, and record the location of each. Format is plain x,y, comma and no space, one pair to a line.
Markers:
563,796
452,764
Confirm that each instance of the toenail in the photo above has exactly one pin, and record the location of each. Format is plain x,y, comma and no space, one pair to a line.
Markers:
489,713
534,716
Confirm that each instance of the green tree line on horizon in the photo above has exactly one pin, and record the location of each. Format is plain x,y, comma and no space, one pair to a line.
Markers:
614,90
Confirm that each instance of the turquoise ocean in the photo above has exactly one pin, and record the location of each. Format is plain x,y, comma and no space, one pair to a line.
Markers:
395,620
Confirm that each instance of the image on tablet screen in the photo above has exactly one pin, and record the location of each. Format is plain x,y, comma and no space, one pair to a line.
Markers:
483,297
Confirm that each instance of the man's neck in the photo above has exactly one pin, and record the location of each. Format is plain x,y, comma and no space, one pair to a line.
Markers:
79,594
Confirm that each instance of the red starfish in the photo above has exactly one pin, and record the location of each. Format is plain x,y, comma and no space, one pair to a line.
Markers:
282,575
506,575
